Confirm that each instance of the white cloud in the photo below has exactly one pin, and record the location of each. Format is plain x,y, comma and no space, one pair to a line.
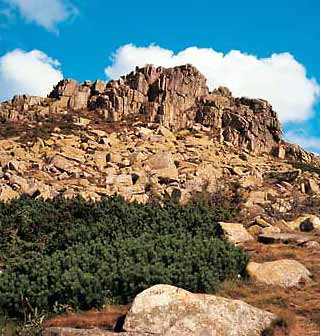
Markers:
45,13
279,78
32,73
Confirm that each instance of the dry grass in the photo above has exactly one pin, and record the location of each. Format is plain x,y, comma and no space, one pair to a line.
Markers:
298,308
109,318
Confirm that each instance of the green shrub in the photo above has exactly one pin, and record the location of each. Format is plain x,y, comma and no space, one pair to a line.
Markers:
82,253
36,226
87,274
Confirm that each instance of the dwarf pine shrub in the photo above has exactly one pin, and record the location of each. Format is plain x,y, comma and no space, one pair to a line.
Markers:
82,253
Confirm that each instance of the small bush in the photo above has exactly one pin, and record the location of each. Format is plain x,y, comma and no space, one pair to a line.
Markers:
82,254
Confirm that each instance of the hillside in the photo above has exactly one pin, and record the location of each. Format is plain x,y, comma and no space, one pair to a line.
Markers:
159,135
97,139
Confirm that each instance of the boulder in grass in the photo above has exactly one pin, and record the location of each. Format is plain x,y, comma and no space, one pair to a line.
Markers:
170,311
284,273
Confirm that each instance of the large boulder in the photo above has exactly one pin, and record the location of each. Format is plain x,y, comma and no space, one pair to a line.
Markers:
284,273
171,311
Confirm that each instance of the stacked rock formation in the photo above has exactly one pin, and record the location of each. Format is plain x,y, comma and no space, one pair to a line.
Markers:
167,96
177,98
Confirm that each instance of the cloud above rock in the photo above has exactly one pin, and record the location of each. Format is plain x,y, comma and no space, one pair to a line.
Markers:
280,78
33,73
45,13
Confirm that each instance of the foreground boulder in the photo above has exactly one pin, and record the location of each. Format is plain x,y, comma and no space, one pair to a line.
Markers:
284,273
168,310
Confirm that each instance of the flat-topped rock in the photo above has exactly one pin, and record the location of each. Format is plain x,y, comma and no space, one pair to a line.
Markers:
284,273
285,238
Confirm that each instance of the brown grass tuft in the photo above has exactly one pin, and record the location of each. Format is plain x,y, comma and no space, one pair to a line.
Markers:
110,318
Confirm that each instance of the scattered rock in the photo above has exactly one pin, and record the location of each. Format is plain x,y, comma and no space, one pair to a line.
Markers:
162,123
284,273
278,177
163,165
305,223
312,244
261,222
7,193
311,186
270,229
284,238
63,164
235,233
256,197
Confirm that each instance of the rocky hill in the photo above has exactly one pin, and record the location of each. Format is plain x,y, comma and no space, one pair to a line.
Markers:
159,134
154,133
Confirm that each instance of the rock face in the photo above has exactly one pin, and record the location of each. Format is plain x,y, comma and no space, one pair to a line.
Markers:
284,273
241,121
71,95
166,310
19,106
176,97
163,95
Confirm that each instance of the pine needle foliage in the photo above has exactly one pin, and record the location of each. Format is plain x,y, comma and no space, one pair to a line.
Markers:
84,254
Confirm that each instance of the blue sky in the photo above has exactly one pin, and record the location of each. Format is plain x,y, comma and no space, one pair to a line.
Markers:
232,44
